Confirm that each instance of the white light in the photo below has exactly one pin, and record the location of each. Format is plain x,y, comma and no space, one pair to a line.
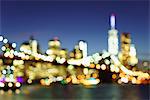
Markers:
11,76
124,79
103,66
14,45
3,48
4,71
1,38
91,82
59,78
107,62
11,51
2,84
83,47
105,54
5,41
62,60
15,53
18,84
12,67
74,62
49,52
10,84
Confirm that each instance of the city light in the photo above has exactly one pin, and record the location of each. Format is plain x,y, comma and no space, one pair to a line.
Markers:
32,66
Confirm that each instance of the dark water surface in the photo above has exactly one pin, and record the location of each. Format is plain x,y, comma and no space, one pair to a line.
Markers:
80,92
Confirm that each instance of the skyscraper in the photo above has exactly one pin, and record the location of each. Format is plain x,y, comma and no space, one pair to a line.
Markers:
113,37
83,47
125,48
133,57
55,49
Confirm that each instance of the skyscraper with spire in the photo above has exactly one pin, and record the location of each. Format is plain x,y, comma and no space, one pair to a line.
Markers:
113,37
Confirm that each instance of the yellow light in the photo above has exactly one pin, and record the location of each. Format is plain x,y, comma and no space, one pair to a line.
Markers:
70,67
71,54
42,82
81,77
62,52
88,76
9,91
98,66
121,75
1,91
85,71
10,84
134,80
68,79
114,76
17,91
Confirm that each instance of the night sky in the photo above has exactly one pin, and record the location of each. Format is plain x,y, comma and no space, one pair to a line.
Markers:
75,20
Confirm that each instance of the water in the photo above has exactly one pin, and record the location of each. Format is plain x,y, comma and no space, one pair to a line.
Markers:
80,92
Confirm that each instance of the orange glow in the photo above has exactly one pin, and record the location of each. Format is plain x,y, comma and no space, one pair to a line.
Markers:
68,79
92,65
94,75
114,76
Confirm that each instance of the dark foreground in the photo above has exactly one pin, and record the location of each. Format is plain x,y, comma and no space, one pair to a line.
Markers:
79,92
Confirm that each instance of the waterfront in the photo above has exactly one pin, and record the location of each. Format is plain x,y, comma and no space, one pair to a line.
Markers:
80,92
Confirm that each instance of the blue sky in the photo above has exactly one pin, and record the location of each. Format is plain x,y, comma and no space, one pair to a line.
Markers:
76,20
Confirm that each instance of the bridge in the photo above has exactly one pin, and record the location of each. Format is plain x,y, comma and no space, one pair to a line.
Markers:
97,68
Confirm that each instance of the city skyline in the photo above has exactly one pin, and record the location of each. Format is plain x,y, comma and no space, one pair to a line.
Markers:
70,21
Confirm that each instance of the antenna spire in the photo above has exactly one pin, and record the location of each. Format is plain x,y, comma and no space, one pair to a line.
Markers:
112,21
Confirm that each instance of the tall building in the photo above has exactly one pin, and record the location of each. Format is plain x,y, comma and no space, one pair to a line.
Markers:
30,47
34,45
113,37
133,57
125,48
55,50
83,47
76,53
25,47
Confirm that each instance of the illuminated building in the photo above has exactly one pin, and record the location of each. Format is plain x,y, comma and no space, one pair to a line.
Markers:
25,47
34,45
30,47
125,48
128,51
133,58
113,37
83,47
80,50
76,53
55,50
54,43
